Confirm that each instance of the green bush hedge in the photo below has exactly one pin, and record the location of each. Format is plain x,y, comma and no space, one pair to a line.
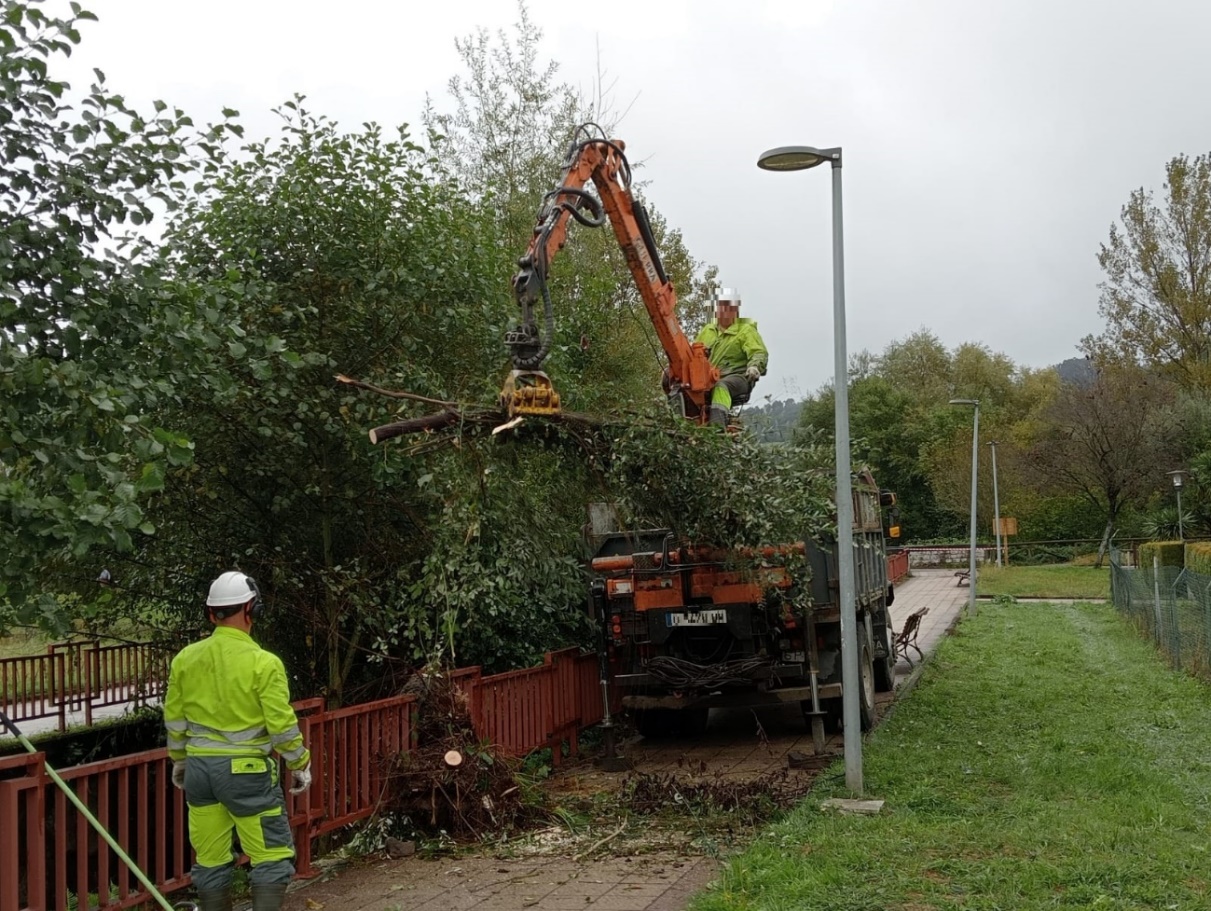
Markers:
1198,558
1171,553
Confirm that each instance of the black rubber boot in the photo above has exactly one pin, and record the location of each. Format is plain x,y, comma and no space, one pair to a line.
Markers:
718,416
268,897
214,900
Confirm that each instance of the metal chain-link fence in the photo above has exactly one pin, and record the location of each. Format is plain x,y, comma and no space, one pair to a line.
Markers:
1171,606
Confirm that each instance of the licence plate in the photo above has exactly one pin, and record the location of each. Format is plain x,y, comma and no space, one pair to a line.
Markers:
697,618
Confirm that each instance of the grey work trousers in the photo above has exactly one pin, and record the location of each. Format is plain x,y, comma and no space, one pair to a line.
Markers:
238,794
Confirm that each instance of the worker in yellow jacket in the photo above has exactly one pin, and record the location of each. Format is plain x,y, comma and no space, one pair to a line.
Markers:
737,349
227,710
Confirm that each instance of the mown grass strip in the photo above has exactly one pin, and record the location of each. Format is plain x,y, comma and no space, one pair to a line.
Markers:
1061,581
1047,759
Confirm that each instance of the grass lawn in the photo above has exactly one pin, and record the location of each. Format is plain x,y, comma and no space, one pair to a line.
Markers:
1062,581
1047,759
23,643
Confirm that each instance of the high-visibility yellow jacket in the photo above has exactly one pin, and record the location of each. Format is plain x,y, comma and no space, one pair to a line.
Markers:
227,696
735,348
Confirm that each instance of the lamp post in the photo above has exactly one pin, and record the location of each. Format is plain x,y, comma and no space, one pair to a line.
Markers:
996,499
975,465
800,158
1179,477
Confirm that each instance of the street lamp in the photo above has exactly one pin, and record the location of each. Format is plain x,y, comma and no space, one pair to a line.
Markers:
1179,477
800,158
996,499
975,464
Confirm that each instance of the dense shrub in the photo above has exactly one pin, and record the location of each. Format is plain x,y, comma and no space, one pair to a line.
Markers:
1171,553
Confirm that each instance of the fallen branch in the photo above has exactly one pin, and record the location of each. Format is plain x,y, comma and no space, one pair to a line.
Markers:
393,393
601,842
425,424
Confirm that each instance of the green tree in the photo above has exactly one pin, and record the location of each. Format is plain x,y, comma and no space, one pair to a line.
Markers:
82,440
921,366
1191,426
1108,441
1156,297
916,443
323,253
505,141
887,438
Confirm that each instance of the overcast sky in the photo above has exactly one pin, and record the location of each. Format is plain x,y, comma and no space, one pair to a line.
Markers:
988,144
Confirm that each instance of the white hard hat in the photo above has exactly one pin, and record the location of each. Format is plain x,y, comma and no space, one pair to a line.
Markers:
231,589
727,296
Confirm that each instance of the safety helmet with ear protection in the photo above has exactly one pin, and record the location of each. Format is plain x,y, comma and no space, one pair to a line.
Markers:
234,589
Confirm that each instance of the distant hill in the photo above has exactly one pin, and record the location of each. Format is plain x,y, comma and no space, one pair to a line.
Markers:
1076,370
773,422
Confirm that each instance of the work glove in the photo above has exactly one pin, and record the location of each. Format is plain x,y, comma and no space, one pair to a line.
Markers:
753,374
302,779
178,773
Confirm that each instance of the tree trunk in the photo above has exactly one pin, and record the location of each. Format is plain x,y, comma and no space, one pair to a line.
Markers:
1101,549
332,618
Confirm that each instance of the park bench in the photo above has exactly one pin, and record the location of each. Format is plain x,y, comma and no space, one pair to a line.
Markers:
907,637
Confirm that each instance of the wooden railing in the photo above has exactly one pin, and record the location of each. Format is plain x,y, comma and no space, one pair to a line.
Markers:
897,567
50,858
78,677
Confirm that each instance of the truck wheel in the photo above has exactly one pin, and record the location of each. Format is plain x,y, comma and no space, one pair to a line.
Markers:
866,687
885,668
655,724
649,722
834,720
694,721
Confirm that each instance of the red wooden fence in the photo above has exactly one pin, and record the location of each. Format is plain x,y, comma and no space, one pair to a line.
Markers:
897,566
51,858
544,706
76,676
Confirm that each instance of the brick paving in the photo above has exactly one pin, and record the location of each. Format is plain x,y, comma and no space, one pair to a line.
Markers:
643,883
737,744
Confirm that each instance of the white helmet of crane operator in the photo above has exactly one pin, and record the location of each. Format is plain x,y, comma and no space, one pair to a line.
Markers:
728,296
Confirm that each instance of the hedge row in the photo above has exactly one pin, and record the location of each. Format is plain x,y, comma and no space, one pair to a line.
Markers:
1198,558
1169,552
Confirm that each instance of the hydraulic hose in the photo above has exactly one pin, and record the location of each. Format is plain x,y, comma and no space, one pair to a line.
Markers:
101,830
534,361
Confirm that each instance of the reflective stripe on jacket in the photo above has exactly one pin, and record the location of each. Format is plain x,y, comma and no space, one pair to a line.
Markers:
735,348
227,696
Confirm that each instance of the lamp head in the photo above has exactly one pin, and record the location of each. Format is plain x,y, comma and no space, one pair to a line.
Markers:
797,158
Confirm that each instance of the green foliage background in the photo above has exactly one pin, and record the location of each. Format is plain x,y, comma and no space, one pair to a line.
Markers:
215,434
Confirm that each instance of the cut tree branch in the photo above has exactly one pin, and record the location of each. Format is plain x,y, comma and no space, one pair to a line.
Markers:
393,393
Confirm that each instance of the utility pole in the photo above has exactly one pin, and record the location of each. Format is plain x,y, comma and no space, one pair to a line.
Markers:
996,500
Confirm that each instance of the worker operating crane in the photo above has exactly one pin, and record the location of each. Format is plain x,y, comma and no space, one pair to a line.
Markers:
594,159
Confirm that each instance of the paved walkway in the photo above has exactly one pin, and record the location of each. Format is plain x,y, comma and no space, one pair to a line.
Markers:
77,719
736,744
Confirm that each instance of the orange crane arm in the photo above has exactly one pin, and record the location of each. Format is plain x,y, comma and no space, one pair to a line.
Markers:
603,162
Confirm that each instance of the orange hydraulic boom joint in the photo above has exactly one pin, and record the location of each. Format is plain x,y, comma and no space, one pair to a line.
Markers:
594,158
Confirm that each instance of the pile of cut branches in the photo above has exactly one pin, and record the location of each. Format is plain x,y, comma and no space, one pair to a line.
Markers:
748,802
451,782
